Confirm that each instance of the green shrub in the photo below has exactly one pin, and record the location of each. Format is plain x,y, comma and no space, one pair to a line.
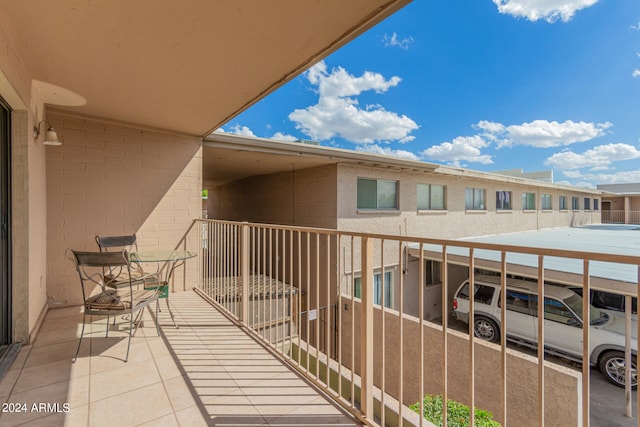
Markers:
457,413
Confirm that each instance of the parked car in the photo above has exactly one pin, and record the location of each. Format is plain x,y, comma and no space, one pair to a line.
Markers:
562,325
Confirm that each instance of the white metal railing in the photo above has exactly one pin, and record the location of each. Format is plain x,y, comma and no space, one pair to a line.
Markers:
320,299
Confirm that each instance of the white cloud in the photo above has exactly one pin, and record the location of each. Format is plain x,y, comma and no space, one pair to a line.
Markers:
394,40
549,10
542,133
338,114
241,130
636,73
602,178
386,151
597,158
284,137
461,149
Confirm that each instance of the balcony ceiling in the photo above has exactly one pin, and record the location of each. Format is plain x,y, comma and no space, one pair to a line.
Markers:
184,66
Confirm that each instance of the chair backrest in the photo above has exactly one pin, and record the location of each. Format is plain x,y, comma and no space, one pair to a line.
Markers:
127,242
100,259
92,265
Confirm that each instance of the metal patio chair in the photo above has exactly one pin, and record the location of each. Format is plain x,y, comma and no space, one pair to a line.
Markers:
115,277
102,300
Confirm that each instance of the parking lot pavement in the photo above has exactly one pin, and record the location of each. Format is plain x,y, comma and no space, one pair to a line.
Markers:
608,403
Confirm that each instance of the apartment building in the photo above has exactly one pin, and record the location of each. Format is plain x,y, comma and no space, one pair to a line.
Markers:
134,92
307,185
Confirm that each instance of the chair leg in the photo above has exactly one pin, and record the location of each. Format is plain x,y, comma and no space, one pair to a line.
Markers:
106,334
130,333
80,341
157,318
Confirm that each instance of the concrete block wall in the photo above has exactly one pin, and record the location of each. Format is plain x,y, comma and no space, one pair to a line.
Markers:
111,179
563,403
304,198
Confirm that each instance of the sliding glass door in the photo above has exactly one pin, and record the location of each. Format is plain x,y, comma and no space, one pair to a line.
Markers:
5,223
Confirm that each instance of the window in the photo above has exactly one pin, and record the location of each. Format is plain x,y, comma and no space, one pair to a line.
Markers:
545,200
575,204
483,294
431,197
587,204
474,199
377,194
562,203
503,200
377,288
555,311
528,201
432,272
518,301
596,204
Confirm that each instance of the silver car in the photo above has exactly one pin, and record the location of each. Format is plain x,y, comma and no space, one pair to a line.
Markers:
562,324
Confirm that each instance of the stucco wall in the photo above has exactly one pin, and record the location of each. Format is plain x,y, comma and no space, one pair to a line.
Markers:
28,190
305,198
111,179
455,222
562,391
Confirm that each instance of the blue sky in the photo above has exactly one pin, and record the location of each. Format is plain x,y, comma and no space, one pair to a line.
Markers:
481,84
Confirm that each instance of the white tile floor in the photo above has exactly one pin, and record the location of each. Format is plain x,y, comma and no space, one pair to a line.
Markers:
207,372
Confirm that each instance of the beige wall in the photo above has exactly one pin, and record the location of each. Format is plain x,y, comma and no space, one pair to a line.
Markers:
111,179
455,222
305,198
28,190
634,202
562,391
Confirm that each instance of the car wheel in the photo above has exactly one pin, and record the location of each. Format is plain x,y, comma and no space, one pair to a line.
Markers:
486,329
612,367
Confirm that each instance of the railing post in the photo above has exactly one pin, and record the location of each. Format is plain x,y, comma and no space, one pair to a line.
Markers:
244,272
366,330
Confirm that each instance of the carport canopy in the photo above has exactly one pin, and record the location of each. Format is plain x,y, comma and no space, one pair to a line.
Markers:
604,238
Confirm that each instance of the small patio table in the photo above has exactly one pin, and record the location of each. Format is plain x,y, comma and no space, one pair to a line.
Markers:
166,261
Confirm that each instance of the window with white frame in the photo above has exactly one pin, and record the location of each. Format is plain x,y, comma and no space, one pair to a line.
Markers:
504,200
587,204
528,201
545,201
377,194
575,203
562,203
474,199
377,288
431,197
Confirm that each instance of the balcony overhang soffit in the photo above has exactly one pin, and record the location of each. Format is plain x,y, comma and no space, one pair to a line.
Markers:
186,67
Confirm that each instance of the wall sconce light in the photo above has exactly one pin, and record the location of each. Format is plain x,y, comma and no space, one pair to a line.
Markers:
50,138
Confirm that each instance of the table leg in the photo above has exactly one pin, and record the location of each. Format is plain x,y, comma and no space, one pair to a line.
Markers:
170,312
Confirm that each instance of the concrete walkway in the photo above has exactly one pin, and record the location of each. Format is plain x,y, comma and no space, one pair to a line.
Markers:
207,372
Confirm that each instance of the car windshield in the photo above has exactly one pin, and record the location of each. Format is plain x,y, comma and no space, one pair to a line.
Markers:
597,317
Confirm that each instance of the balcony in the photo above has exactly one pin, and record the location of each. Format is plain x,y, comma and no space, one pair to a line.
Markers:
275,309
206,372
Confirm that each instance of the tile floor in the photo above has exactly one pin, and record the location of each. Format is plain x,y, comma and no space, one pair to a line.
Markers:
207,372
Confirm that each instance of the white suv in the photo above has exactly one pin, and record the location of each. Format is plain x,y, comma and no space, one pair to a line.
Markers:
562,324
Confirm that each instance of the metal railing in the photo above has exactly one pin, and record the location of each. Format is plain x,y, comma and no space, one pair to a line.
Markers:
619,217
347,310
